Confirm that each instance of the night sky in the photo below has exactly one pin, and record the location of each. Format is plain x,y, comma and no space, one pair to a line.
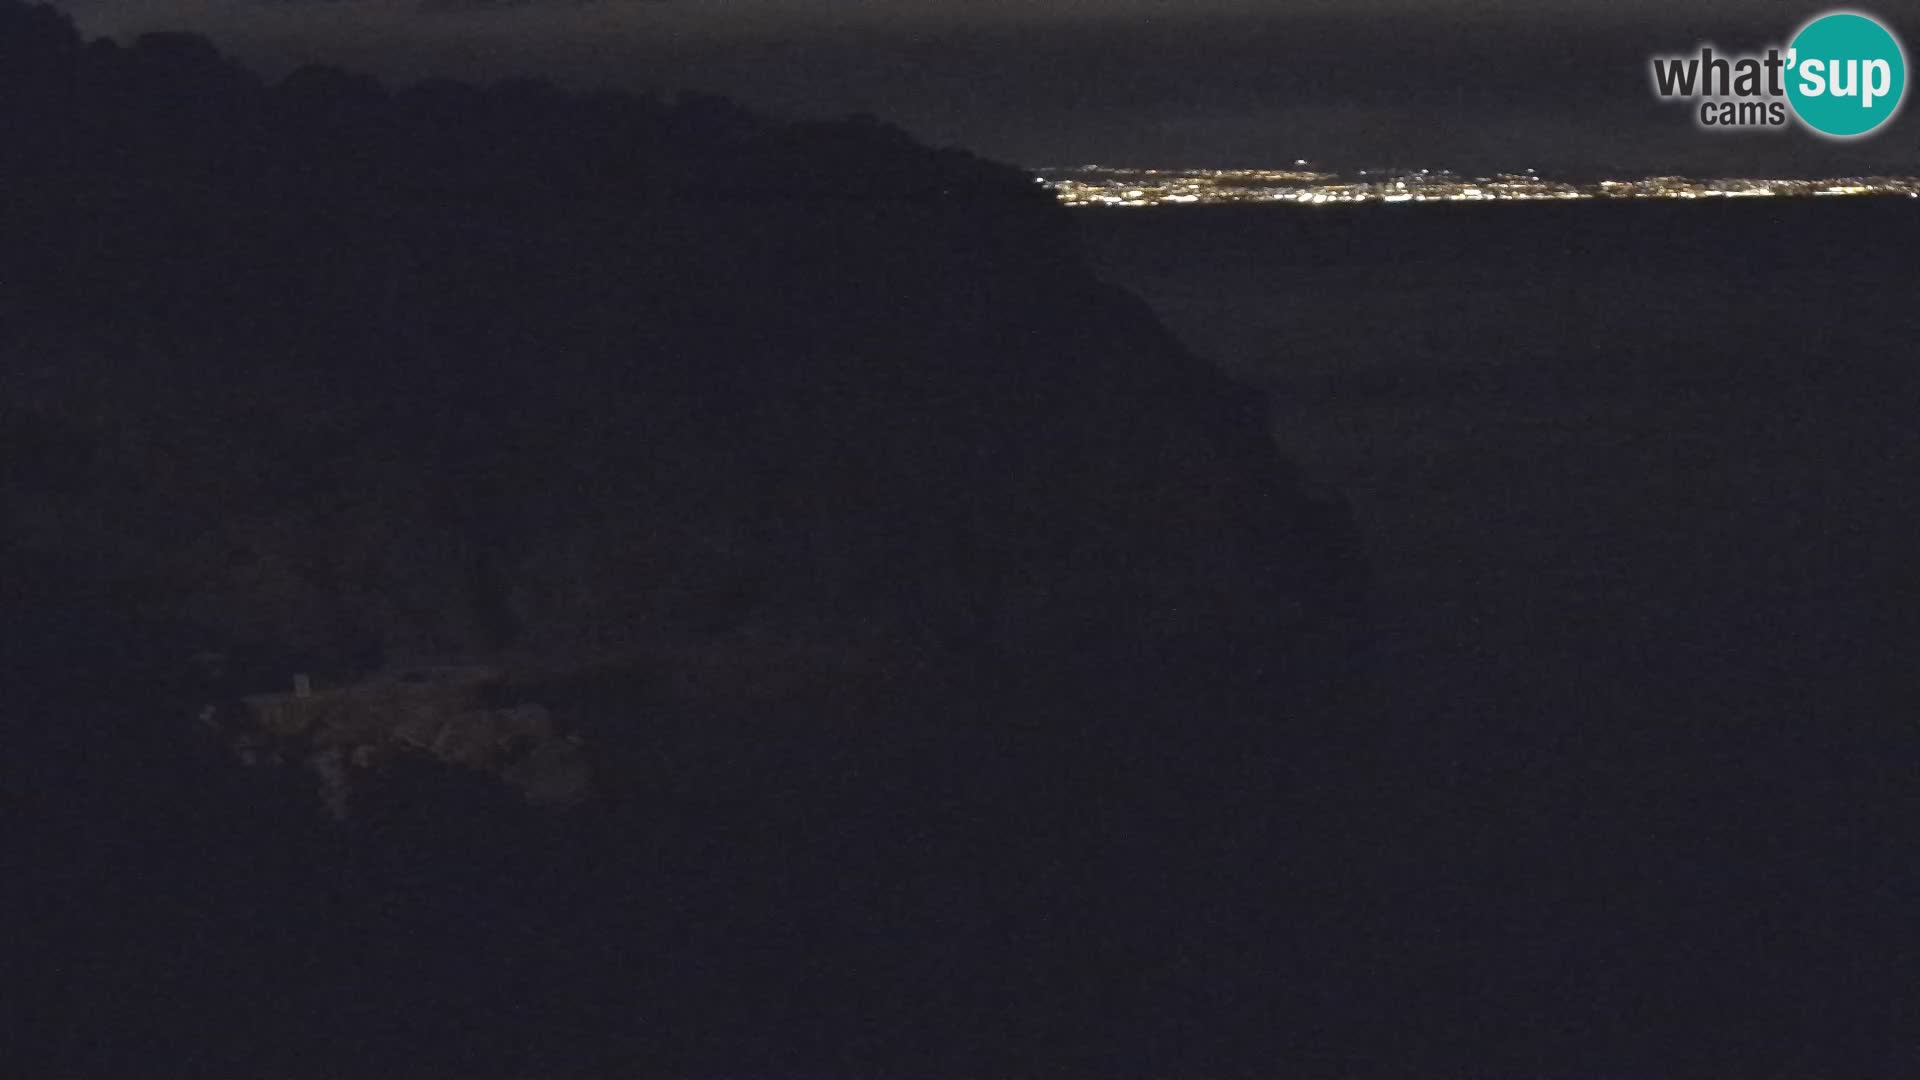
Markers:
1468,84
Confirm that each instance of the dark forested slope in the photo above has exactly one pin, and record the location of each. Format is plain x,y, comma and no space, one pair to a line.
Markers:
938,627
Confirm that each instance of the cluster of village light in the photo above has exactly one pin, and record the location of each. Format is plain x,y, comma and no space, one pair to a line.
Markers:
1095,185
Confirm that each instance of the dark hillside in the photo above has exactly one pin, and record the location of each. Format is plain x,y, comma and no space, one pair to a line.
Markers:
939,632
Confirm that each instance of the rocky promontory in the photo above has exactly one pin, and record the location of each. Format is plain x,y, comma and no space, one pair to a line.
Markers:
786,502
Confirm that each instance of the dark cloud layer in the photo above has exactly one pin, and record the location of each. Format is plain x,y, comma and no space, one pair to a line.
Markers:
1469,83
430,6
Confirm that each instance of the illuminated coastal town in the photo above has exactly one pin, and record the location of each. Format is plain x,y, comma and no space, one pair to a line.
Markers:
1094,186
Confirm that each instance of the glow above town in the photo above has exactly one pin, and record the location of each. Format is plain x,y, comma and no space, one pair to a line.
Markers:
1096,186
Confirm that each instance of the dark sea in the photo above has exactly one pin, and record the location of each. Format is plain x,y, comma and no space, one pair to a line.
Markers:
1636,761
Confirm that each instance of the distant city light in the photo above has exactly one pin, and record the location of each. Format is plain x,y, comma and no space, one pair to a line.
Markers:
1103,186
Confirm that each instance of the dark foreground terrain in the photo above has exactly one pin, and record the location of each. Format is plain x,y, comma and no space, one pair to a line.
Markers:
1638,487
500,582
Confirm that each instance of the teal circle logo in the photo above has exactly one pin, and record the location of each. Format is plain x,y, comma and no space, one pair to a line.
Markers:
1846,74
